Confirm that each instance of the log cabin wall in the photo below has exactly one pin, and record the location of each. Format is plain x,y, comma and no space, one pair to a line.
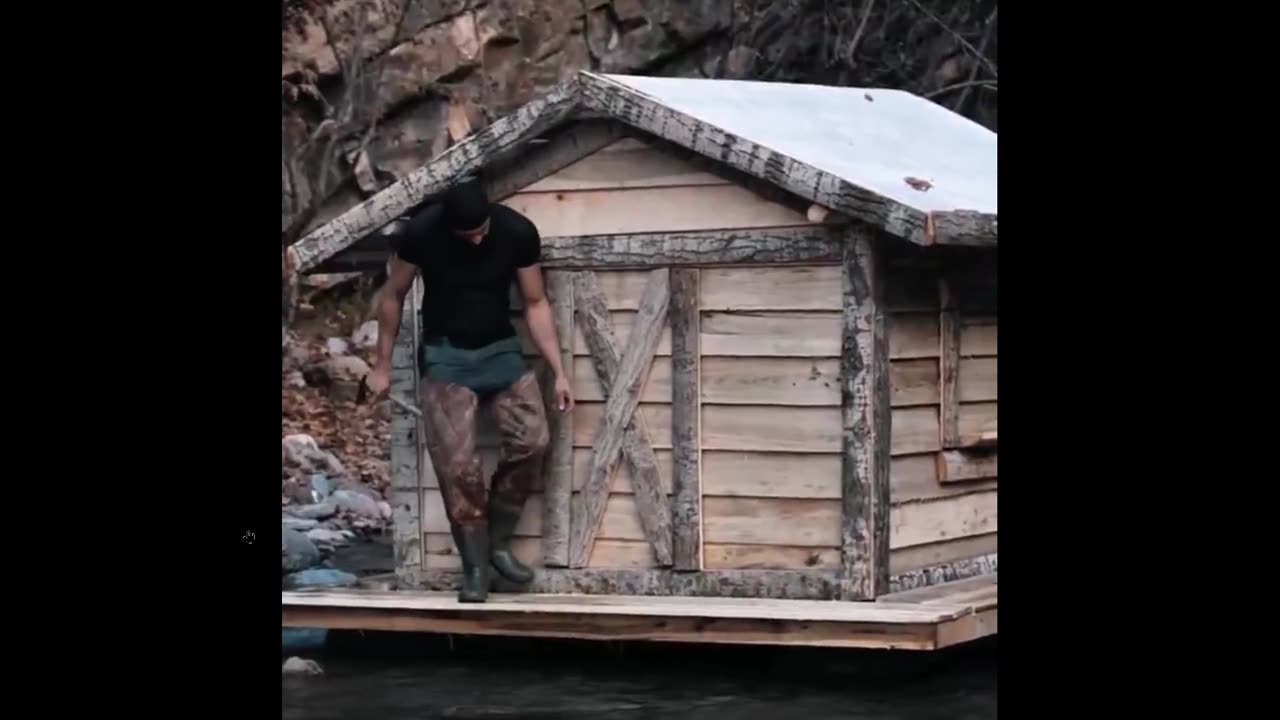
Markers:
765,462
942,346
767,349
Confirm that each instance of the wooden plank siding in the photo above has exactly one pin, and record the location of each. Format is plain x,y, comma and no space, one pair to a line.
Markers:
768,450
943,503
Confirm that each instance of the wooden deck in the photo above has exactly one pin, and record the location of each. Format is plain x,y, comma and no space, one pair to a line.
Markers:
922,619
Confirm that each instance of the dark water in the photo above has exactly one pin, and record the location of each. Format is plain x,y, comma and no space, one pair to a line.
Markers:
399,677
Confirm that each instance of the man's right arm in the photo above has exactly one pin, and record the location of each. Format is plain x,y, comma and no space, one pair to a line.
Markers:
390,307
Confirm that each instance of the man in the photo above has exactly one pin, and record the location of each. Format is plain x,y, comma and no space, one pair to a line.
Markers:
468,251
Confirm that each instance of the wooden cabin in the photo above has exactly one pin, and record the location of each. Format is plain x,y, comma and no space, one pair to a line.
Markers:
777,306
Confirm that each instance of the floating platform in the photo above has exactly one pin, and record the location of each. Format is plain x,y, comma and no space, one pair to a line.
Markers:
927,618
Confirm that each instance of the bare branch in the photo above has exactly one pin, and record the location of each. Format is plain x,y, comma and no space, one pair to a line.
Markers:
959,38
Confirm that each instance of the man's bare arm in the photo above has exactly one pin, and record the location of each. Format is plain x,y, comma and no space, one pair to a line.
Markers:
539,316
390,306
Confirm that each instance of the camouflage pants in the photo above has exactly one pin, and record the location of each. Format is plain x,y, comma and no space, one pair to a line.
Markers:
449,415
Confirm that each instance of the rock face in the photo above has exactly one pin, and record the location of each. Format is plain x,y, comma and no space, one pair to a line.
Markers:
446,68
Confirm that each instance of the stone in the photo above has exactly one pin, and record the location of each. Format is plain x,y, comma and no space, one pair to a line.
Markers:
297,552
301,451
296,355
321,487
384,508
299,666
313,511
365,337
336,347
324,535
294,379
297,523
357,503
319,577
443,53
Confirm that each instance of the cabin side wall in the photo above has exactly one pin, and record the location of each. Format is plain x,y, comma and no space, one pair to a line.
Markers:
942,345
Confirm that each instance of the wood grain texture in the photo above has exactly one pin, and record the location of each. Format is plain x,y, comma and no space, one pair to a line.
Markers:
566,147
467,156
651,210
406,442
771,289
961,227
771,334
622,249
618,433
957,466
946,518
913,335
978,336
949,380
865,425
916,557
558,483
772,584
631,162
945,573
686,426
772,521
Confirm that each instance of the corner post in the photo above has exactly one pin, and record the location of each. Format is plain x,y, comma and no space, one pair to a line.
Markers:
406,447
865,421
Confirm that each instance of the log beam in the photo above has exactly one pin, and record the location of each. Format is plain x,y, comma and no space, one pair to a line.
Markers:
558,484
764,246
622,430
865,396
686,432
406,442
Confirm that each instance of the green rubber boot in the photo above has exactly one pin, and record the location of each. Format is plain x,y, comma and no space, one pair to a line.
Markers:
502,527
473,547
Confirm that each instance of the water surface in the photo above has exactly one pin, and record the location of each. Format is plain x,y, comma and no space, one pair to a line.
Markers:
403,677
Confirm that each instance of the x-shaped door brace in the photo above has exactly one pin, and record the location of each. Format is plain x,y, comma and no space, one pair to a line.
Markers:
622,431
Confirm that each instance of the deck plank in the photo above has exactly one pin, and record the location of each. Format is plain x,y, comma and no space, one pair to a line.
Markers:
921,619
665,606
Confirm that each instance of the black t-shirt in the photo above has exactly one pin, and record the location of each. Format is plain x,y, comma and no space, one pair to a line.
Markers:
466,285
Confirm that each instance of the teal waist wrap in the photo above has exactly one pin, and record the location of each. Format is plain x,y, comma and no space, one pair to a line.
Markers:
484,369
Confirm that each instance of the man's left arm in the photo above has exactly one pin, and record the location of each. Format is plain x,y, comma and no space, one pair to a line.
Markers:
540,319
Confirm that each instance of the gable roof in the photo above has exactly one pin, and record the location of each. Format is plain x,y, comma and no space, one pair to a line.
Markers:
897,161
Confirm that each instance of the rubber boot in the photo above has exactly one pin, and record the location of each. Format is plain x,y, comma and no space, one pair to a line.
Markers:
473,548
502,527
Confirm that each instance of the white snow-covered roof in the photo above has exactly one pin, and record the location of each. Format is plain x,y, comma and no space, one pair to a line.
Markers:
890,159
875,139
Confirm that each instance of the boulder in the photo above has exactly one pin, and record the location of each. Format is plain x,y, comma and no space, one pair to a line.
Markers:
357,503
300,666
297,552
336,347
341,375
297,523
365,337
324,536
313,511
294,379
302,451
320,577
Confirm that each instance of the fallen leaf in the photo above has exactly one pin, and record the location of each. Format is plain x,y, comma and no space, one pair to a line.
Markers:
918,184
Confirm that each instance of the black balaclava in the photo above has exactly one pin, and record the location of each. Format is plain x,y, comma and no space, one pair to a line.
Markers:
466,205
